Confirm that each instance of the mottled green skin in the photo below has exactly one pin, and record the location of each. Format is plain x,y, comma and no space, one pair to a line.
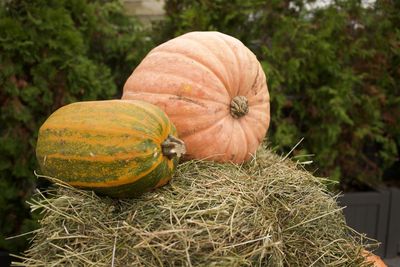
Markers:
139,187
112,147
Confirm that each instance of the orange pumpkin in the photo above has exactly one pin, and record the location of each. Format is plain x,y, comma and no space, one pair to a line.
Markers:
372,258
213,89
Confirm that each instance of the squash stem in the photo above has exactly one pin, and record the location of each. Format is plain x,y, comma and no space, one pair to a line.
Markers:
173,147
239,106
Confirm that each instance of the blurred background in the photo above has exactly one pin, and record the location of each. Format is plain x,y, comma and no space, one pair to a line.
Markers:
333,70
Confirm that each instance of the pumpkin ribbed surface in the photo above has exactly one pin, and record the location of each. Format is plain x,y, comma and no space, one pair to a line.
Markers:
113,147
213,89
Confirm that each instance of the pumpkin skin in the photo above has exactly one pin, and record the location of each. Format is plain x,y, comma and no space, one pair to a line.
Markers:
112,147
372,258
198,78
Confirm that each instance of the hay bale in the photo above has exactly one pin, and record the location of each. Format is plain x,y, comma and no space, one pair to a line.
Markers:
268,212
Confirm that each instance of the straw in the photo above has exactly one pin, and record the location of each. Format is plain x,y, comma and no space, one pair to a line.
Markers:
267,212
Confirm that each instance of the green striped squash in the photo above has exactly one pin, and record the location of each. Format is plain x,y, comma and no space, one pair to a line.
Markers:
120,148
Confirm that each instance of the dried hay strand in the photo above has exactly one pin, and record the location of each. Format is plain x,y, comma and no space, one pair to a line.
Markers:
268,212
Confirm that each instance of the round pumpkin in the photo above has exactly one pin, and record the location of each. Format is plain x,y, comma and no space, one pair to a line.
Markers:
213,89
372,258
119,148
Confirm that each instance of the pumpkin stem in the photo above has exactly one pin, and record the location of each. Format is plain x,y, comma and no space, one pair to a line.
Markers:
239,106
173,147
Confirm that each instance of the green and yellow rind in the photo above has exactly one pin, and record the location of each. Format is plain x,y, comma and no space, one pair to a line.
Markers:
112,147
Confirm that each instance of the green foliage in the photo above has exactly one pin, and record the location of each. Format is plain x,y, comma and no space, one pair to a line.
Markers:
53,52
333,75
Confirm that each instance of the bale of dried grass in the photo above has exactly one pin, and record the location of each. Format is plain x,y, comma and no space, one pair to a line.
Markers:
268,212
